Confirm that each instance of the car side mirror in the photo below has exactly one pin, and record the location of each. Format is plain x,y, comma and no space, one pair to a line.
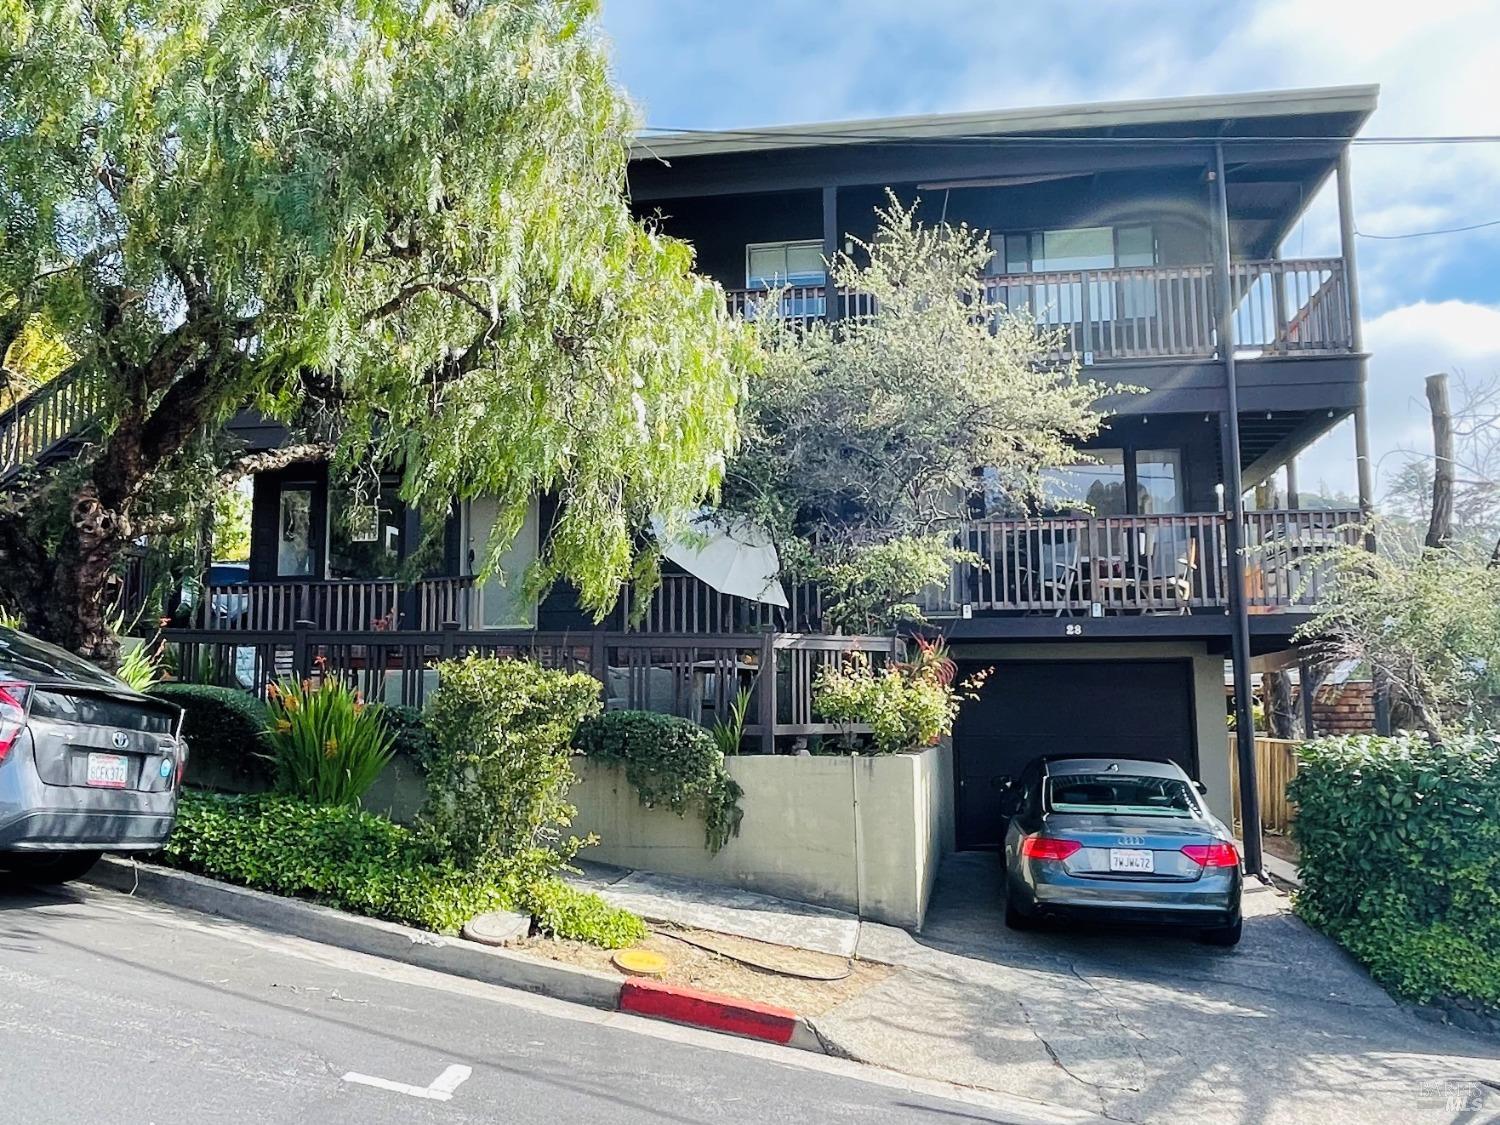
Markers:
1203,789
1010,795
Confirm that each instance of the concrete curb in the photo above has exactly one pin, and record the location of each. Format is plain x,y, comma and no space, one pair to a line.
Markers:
489,964
363,935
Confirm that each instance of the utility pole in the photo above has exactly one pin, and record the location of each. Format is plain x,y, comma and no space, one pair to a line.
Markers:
1244,722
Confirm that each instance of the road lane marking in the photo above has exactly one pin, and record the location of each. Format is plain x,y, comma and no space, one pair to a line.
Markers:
440,1090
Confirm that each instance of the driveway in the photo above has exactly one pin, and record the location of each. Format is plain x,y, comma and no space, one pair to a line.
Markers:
1149,1026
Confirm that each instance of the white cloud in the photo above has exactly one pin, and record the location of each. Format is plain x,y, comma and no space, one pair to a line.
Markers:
1407,343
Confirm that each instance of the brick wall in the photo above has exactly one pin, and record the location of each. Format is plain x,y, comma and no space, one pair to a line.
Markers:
1347,708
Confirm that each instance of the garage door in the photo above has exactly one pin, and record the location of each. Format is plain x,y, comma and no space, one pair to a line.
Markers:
1127,709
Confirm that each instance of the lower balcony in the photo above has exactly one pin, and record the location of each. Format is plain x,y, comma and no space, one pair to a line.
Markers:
1118,565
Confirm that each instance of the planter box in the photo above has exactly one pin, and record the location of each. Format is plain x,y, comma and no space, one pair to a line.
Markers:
863,834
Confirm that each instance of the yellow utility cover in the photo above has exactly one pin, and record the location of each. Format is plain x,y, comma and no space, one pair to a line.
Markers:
642,963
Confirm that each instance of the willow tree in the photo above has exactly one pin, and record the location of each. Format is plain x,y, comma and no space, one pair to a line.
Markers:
867,438
400,223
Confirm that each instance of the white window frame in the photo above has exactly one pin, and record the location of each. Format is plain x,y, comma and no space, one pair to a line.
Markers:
783,245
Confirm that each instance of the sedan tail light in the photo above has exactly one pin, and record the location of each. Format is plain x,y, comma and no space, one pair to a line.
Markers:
1048,847
13,700
1212,855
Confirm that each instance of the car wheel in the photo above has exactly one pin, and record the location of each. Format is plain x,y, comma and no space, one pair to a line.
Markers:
47,867
1017,917
1225,935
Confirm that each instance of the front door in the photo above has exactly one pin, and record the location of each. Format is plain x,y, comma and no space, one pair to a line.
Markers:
499,602
1064,708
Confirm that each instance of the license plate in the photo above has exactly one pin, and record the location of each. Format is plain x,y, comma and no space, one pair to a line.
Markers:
1139,860
108,771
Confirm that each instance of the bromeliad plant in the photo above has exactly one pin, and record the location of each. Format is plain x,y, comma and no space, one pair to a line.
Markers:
327,745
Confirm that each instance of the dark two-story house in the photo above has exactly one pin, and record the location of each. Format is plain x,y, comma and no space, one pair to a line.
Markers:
1151,234
1148,234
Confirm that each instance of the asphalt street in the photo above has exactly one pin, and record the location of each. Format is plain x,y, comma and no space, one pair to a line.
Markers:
119,1011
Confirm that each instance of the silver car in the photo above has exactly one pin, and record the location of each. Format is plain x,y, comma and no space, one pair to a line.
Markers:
86,763
1121,841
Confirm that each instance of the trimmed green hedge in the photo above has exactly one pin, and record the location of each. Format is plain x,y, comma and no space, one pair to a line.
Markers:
1400,860
223,730
366,864
671,762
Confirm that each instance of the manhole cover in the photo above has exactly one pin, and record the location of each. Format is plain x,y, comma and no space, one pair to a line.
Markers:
641,963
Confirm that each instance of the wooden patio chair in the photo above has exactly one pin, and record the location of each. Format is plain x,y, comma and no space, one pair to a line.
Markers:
1171,571
1059,571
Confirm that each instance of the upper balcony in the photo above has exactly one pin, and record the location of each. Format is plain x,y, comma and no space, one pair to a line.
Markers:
1282,308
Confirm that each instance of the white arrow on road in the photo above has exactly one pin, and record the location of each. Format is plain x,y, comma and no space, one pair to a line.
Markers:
440,1091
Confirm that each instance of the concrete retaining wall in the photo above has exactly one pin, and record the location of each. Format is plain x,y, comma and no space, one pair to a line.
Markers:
858,833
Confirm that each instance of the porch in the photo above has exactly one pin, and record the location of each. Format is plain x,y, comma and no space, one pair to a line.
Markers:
696,677
1141,564
1281,308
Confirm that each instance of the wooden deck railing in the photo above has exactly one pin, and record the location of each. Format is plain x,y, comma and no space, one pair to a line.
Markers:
1142,564
1142,312
59,411
684,604
338,605
695,677
1275,766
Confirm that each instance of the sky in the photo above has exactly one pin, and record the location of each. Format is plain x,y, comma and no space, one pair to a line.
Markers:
1430,304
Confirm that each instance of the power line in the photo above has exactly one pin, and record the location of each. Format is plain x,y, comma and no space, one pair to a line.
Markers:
1425,233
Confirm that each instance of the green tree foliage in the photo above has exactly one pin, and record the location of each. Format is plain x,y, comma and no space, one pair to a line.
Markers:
1427,623
871,430
1400,859
399,225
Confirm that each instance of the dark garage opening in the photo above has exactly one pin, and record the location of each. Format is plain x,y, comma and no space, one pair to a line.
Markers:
1074,708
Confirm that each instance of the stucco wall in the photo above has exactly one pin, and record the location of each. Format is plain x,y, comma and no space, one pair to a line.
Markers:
864,834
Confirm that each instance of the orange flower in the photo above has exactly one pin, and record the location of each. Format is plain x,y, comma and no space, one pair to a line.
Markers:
282,726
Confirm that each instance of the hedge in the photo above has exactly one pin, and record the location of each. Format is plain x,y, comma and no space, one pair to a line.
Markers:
223,730
671,762
366,864
1400,860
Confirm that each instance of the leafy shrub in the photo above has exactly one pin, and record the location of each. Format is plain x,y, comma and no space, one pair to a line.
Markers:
410,736
140,667
671,762
499,780
365,864
568,912
906,706
1400,859
327,745
224,728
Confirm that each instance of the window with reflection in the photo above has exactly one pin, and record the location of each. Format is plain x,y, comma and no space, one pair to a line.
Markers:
1096,487
296,556
1158,481
365,532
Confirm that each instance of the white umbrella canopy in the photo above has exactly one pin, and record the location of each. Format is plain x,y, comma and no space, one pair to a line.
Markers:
732,554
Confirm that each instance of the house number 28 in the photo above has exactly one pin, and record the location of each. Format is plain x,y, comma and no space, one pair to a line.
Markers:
1073,630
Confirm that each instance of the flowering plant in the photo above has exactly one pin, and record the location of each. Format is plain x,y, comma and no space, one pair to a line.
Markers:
328,746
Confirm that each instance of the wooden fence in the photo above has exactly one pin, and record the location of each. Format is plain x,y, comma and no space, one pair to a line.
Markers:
1275,766
695,676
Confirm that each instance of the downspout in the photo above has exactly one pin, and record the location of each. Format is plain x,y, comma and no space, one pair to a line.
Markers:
1244,724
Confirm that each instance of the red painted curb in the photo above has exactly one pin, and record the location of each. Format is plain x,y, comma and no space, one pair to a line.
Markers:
706,1009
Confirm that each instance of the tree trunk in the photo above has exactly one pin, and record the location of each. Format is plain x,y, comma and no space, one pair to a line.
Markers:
1440,525
1281,712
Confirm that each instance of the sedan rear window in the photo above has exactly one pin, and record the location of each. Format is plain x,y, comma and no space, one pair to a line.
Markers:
1120,793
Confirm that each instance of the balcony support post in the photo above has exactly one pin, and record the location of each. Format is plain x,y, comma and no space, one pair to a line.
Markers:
1244,726
1356,341
1291,484
830,250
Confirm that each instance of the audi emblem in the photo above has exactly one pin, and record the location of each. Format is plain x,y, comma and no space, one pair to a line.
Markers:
1132,841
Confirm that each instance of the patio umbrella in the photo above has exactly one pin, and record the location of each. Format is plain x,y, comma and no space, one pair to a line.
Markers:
732,554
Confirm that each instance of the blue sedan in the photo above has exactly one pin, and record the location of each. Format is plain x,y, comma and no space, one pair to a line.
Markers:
1120,841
